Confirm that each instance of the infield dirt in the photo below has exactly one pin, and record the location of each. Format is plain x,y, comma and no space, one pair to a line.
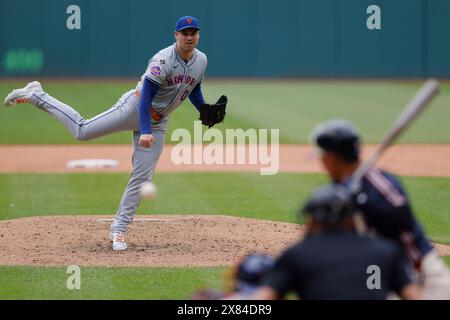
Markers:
155,240
409,160
169,241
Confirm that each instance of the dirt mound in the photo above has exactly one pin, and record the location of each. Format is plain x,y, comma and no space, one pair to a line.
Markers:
165,241
169,241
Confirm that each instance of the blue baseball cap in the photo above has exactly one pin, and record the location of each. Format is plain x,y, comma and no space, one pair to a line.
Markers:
187,22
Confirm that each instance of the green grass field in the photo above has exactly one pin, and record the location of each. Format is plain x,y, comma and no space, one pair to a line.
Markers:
293,106
250,195
108,283
247,194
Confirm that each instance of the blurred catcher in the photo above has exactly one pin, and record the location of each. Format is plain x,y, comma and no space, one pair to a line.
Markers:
243,278
331,262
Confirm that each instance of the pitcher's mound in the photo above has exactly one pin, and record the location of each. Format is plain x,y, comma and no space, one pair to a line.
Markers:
175,241
164,241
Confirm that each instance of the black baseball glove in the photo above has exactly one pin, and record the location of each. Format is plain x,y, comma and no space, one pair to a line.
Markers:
211,114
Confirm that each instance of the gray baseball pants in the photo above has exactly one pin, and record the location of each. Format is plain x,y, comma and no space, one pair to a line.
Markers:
123,116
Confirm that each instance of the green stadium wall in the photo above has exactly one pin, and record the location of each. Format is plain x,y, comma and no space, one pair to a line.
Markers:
242,38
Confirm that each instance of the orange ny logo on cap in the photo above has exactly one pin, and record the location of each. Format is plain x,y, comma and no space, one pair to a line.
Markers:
189,20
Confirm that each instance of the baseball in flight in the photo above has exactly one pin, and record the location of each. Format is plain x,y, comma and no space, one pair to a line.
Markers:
148,190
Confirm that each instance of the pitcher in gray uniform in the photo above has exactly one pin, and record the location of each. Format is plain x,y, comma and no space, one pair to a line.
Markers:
172,75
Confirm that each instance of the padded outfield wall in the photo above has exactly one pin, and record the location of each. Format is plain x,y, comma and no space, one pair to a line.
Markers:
242,38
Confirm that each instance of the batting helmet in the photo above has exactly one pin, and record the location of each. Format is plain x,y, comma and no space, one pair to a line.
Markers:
330,204
338,136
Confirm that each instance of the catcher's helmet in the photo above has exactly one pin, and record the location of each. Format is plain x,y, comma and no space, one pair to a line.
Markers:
251,271
338,136
330,204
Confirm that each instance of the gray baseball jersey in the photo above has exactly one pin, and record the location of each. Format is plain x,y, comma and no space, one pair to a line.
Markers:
176,80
